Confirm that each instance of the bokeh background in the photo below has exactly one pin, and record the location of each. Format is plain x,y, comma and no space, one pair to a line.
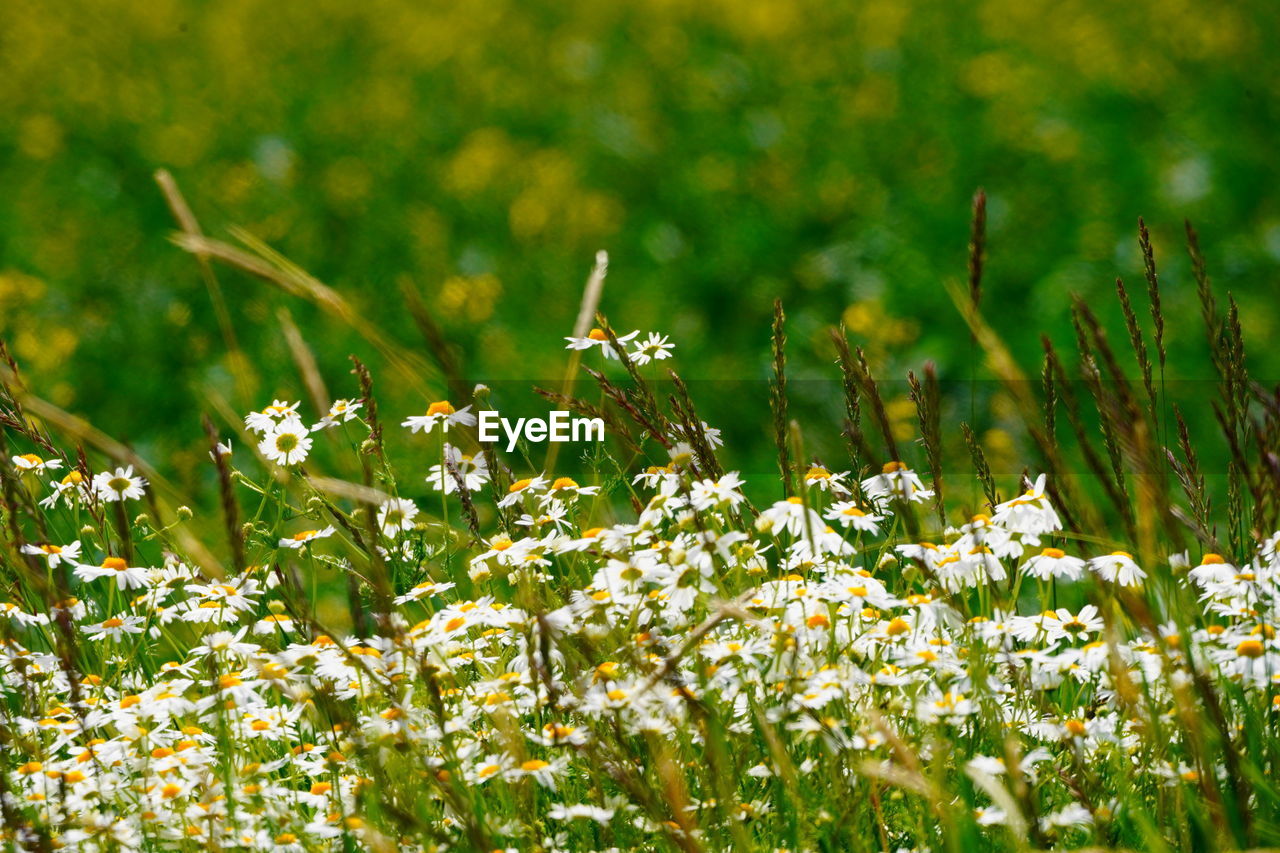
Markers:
724,153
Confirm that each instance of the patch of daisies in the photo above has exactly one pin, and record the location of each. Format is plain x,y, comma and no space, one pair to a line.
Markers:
203,721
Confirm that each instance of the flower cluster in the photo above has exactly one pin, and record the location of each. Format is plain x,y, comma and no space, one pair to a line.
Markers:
691,675
655,347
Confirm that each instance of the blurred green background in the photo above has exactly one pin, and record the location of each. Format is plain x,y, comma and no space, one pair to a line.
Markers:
724,152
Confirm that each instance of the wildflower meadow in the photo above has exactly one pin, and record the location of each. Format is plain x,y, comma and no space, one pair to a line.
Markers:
493,641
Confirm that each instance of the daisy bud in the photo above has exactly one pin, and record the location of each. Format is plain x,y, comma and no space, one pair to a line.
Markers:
87,532
276,606
142,520
480,393
184,513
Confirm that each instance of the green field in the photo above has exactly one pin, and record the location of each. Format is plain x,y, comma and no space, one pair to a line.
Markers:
938,501
724,156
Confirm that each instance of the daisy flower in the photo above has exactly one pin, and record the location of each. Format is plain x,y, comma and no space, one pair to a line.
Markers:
712,434
1030,514
126,576
339,413
1118,567
286,443
273,622
825,480
705,494
440,412
12,611
473,470
423,590
119,485
653,348
597,338
114,628
792,516
896,480
584,811
71,486
520,488
1069,627
265,421
31,462
299,540
55,554
562,486
396,515
544,772
1212,569
1054,563
849,514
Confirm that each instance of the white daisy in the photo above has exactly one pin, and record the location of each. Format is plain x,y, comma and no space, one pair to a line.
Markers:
1118,567
299,540
114,628
896,481
286,443
597,338
265,421
55,554
396,515
653,348
31,462
339,413
473,470
440,412
119,485
126,576
1054,563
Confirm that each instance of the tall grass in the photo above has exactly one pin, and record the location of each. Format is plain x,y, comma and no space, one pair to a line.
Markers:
651,660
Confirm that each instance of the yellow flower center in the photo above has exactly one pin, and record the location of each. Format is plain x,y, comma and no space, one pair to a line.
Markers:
1250,649
440,407
897,627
